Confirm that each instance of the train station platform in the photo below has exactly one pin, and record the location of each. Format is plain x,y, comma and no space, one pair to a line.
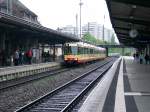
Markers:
125,88
9,73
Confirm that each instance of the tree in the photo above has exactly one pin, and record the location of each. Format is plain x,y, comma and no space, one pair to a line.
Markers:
113,40
90,38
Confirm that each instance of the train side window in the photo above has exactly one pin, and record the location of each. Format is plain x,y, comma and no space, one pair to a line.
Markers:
79,50
82,50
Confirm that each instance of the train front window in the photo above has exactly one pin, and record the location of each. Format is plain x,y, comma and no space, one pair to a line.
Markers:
70,50
74,50
67,50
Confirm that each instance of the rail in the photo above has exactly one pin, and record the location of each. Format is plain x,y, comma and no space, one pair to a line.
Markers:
82,83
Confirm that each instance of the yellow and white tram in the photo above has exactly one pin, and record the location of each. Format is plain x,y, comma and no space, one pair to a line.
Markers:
80,52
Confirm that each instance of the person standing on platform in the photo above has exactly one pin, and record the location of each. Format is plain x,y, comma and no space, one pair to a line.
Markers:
137,57
141,58
21,57
146,58
29,56
16,58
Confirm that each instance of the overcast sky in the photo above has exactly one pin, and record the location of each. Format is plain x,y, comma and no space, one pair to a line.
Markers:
58,13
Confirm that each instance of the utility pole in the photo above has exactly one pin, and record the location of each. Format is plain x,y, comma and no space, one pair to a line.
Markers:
7,2
77,25
80,4
88,27
9,6
104,29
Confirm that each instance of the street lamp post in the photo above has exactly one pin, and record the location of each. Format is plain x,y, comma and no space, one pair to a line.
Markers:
9,6
80,17
104,29
77,25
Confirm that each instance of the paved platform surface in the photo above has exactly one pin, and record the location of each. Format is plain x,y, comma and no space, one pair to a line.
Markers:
129,91
136,86
8,73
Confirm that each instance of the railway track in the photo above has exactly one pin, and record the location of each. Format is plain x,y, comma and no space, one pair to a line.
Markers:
22,80
65,97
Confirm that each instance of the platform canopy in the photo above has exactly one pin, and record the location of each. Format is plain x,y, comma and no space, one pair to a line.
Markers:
25,28
131,21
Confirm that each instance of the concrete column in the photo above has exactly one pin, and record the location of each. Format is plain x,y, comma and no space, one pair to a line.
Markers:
123,51
35,43
27,44
54,53
107,51
63,45
43,58
2,41
148,49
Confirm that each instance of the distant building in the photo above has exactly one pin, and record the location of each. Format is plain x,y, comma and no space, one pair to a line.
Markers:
96,30
91,27
108,34
16,8
69,29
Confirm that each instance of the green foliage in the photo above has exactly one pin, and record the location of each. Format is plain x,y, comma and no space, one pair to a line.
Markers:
123,51
89,38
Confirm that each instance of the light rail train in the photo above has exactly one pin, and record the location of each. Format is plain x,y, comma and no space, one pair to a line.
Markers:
80,52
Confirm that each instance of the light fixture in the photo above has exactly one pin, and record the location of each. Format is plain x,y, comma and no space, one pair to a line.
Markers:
133,33
134,6
131,17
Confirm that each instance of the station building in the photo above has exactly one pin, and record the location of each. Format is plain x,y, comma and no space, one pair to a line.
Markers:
20,30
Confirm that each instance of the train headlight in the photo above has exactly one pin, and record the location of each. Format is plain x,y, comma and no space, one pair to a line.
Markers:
76,59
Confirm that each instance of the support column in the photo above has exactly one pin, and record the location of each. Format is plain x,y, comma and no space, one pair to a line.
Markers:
2,49
27,44
122,51
2,41
54,53
63,51
35,51
43,58
107,51
148,49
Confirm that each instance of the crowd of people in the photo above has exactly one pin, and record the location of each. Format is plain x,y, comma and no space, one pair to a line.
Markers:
141,58
20,57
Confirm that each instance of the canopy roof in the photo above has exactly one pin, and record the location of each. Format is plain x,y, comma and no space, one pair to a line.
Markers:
129,16
23,27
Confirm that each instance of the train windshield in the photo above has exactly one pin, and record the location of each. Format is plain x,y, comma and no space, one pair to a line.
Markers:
70,50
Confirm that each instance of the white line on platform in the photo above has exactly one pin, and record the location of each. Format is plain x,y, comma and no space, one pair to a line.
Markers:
137,94
120,99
